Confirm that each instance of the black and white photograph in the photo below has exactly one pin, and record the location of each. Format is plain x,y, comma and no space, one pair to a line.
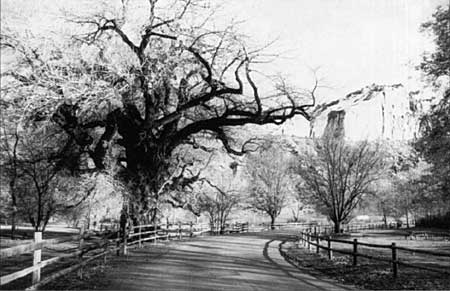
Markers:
225,145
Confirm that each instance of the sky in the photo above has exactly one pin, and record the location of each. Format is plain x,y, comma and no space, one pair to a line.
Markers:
354,43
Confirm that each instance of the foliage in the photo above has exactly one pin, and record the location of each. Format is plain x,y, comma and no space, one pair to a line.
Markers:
398,189
437,63
338,176
434,143
297,210
103,203
32,160
407,189
270,179
437,220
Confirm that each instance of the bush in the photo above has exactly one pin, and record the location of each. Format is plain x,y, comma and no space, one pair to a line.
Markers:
438,220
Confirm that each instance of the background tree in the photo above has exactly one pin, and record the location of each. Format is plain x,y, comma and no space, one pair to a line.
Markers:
9,174
434,142
382,203
142,86
101,199
270,179
437,63
338,176
218,205
38,187
297,210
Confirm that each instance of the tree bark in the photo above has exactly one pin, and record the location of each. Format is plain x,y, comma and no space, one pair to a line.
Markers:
337,226
272,222
407,219
13,223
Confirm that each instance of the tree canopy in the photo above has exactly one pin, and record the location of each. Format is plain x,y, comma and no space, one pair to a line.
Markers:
437,63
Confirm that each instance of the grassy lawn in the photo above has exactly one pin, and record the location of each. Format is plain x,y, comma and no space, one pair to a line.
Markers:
24,236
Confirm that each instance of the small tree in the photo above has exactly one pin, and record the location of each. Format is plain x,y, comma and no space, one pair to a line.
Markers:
269,172
218,205
9,173
297,211
383,199
38,186
336,178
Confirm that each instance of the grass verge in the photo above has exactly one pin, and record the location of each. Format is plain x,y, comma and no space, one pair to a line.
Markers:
368,274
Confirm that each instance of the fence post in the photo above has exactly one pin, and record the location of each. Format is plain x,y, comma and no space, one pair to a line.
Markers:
318,244
80,248
179,231
140,237
155,226
355,252
191,229
125,239
330,251
167,231
308,240
394,261
106,242
37,258
118,243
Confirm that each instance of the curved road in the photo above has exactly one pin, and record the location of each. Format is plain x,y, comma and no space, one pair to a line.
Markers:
233,262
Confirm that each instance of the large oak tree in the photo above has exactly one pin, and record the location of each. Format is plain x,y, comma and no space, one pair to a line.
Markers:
129,95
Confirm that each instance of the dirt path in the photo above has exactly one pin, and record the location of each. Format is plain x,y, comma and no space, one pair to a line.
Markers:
235,262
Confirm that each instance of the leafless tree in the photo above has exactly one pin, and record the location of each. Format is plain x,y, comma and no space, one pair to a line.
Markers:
37,185
338,176
218,205
270,180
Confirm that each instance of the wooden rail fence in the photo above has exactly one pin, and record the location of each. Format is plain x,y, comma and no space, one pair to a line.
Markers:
36,248
328,228
313,241
119,242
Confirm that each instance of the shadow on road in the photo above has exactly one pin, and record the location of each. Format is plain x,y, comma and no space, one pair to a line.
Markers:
232,262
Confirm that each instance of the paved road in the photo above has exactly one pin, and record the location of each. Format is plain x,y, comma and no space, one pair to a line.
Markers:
234,262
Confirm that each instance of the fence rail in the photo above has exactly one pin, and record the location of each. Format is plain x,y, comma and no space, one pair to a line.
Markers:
310,240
